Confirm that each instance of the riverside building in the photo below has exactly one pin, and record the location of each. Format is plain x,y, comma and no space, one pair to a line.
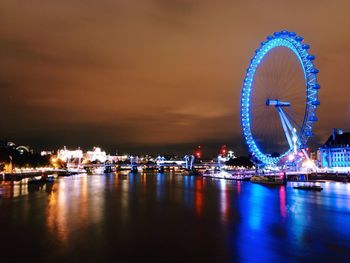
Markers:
335,153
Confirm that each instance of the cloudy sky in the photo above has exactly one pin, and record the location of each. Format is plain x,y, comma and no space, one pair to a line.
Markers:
154,75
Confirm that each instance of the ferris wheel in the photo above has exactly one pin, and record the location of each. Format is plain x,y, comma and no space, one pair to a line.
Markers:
279,98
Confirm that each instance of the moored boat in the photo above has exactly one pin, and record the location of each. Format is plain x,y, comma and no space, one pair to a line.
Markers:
271,180
309,187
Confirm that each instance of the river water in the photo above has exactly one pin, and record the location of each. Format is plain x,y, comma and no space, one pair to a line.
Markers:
172,218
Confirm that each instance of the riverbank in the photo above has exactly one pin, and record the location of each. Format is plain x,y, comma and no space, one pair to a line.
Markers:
29,174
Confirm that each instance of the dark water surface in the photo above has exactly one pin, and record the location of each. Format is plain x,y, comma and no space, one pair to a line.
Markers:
172,218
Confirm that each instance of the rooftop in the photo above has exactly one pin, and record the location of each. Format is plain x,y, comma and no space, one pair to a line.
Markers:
338,139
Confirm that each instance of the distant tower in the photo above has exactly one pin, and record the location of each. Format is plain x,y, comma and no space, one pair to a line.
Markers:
198,152
223,150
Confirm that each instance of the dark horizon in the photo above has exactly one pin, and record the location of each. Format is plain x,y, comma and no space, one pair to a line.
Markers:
209,149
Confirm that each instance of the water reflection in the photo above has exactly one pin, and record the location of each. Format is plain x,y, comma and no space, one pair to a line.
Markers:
239,183
124,198
97,217
255,205
144,182
160,185
14,189
74,204
57,214
188,193
224,200
198,199
283,207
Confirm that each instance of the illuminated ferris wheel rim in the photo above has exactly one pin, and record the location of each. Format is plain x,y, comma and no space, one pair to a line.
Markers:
293,42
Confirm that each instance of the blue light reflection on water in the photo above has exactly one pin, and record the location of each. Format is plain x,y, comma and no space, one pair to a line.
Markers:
293,224
160,185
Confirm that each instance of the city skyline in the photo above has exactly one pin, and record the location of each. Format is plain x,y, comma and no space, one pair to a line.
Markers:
153,76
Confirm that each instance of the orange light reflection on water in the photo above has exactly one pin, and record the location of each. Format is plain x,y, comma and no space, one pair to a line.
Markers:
56,215
72,206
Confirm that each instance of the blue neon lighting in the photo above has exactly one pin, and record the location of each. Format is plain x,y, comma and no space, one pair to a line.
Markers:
294,43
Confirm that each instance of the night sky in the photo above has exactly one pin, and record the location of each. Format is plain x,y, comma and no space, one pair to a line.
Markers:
154,75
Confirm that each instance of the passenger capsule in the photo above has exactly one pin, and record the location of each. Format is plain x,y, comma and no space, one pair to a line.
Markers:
309,133
310,57
315,102
299,38
316,86
313,118
292,34
270,38
305,46
277,34
314,71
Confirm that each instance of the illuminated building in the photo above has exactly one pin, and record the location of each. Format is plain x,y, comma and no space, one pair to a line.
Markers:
117,158
225,154
231,155
44,153
335,153
65,154
96,155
